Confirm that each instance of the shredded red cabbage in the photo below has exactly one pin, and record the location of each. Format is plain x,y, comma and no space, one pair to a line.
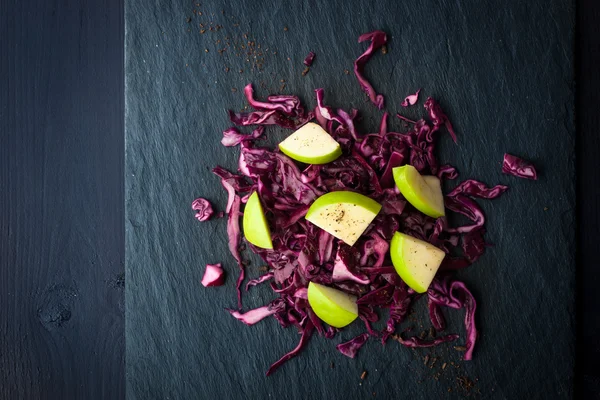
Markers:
310,57
438,117
345,266
306,334
258,314
475,188
285,111
516,166
203,209
232,137
378,39
303,253
213,275
411,99
453,294
350,348
233,232
415,341
264,278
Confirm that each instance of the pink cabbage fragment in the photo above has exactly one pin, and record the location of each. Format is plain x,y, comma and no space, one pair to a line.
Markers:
253,282
233,137
411,100
251,317
310,57
512,165
203,209
350,348
213,275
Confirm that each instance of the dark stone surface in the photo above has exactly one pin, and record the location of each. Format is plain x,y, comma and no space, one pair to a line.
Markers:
503,72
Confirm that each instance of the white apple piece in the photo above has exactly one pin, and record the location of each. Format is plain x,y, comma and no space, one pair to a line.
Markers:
343,214
415,260
311,144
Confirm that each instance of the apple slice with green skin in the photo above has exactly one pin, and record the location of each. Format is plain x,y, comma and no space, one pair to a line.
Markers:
311,144
332,306
344,215
425,194
256,229
415,260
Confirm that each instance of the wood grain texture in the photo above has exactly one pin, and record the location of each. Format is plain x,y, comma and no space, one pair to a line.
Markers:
61,200
588,188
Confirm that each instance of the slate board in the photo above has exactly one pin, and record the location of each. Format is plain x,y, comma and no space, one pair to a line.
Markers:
503,72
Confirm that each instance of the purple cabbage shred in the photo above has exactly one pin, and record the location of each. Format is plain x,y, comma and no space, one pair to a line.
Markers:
350,348
378,39
203,209
411,100
512,165
310,57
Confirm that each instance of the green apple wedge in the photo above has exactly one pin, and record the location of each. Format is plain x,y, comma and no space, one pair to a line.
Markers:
423,192
311,144
415,260
256,229
332,306
343,214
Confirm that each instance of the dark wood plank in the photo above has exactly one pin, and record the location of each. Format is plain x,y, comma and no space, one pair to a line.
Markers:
588,88
61,200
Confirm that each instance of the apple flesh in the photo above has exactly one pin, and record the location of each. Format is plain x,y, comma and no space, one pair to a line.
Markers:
256,229
415,260
332,306
344,215
423,192
311,144
433,182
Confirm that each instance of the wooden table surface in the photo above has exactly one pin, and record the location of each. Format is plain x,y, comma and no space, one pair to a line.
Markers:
61,200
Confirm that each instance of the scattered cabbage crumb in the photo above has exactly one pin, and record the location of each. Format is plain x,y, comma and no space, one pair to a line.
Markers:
213,275
203,209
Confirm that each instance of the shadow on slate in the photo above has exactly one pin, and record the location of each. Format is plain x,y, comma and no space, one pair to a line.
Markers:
503,72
